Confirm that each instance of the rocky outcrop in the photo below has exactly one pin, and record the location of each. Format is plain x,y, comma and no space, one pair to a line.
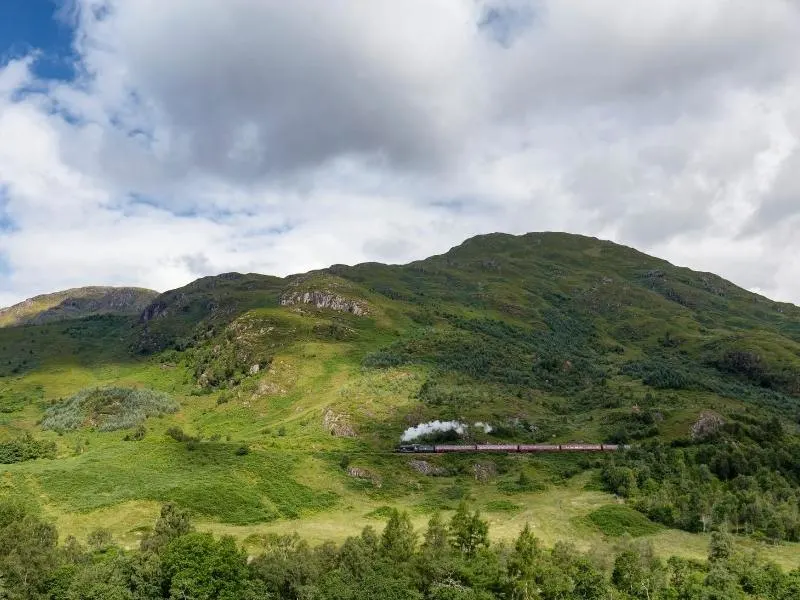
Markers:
325,299
707,424
426,468
359,473
484,471
154,311
337,424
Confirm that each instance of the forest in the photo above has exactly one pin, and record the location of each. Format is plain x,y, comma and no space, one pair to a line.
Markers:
449,560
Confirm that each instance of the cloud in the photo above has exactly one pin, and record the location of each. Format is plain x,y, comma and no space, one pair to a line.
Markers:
199,137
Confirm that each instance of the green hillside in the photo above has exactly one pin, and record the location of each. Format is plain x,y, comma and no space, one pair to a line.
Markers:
76,303
292,392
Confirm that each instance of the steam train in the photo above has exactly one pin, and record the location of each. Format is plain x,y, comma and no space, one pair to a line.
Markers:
443,448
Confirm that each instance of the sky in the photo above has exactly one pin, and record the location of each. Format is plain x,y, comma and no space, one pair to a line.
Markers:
149,143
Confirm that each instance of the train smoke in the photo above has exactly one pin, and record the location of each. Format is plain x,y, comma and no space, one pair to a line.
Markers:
460,428
413,433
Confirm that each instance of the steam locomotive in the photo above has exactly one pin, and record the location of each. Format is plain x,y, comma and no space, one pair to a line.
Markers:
443,448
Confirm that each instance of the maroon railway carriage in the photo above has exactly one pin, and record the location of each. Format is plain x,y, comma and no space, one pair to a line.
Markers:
463,448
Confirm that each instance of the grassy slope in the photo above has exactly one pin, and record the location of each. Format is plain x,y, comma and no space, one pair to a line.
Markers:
310,361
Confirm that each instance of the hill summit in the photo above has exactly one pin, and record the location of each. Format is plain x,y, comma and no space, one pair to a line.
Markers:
76,303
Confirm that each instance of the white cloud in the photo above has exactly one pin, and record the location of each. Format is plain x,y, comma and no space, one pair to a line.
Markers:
269,136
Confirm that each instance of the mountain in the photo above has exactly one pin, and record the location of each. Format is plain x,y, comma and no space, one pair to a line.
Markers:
76,303
256,401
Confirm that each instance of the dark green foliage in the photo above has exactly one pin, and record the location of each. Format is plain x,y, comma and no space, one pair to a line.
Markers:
638,574
399,540
196,565
617,520
172,523
560,357
27,550
468,532
137,434
100,540
177,434
746,480
176,562
721,546
107,409
658,374
25,448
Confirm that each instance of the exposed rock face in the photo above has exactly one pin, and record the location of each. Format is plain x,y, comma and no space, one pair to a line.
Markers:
325,299
359,473
154,311
426,468
484,471
708,423
77,303
337,424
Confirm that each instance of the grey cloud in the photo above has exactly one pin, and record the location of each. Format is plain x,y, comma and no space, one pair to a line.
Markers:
282,136
249,89
783,200
198,264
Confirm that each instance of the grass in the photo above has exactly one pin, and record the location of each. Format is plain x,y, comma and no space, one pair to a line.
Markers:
616,520
212,480
107,409
502,506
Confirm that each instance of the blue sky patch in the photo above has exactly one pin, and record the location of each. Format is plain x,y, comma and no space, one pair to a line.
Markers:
31,26
504,23
7,224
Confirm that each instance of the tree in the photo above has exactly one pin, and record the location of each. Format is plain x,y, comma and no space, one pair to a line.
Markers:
435,563
638,573
399,539
468,532
720,547
100,539
28,549
197,566
524,567
435,542
172,523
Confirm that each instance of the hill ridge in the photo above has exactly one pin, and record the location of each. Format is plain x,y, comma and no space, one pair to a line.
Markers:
76,303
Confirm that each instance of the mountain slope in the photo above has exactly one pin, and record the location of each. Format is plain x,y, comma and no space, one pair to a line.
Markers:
293,391
76,303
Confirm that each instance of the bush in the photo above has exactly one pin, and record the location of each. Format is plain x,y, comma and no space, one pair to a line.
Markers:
107,409
26,448
137,435
242,450
617,520
177,434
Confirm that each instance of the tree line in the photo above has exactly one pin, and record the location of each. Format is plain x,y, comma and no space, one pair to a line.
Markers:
449,560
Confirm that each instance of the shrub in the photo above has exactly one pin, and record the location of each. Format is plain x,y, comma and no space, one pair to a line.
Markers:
242,450
617,520
107,409
25,448
138,434
177,434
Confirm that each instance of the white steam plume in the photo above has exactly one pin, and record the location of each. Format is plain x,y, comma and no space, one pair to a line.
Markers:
413,433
